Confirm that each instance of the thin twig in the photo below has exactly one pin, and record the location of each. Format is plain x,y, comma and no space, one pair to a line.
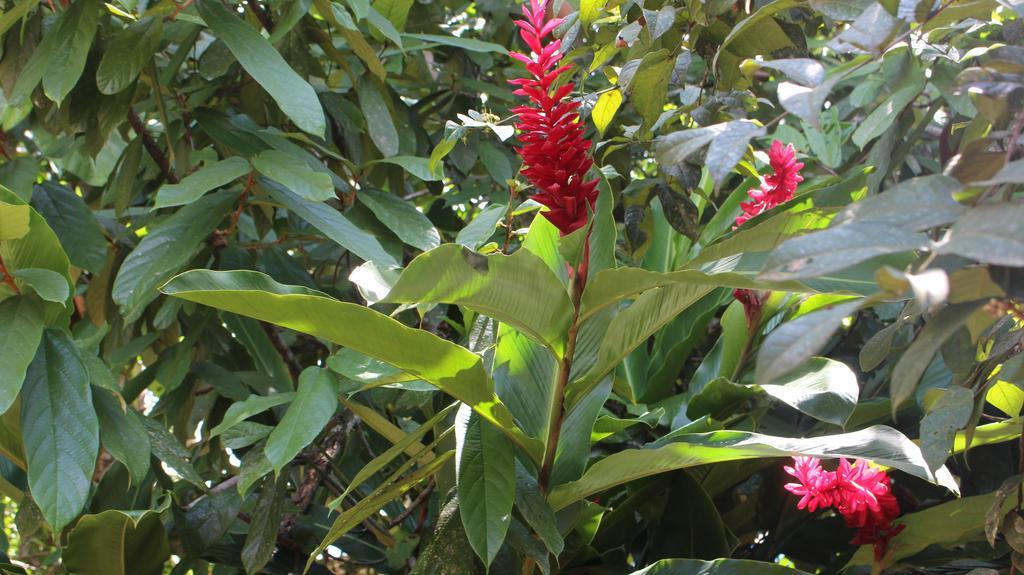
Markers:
151,147
420,499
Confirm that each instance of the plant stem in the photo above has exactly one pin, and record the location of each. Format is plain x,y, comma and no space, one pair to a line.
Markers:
8,279
557,414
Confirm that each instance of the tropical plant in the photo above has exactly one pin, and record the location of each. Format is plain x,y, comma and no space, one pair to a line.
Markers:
459,287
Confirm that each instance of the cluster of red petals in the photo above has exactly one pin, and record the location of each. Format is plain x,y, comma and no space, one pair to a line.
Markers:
556,156
777,188
860,492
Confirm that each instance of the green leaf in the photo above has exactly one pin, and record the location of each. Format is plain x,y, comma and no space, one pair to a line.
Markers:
117,543
60,429
917,204
807,71
519,289
419,167
453,369
167,248
728,147
795,341
605,108
379,124
823,388
716,567
127,54
334,225
757,33
171,452
207,520
21,327
242,410
914,361
649,86
467,44
947,525
536,511
15,13
838,248
883,445
292,173
486,483
397,11
478,231
13,221
193,186
48,284
879,120
950,414
719,398
59,59
261,540
123,434
291,92
74,223
402,218
990,233
314,404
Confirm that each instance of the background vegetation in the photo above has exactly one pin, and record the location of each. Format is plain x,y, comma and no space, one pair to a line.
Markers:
257,420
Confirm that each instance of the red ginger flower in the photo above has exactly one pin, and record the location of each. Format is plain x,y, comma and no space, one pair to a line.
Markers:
555,153
860,492
776,189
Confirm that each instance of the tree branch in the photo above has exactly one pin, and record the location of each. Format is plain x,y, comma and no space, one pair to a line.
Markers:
151,147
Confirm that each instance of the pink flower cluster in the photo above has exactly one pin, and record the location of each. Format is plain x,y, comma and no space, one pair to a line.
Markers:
860,492
778,187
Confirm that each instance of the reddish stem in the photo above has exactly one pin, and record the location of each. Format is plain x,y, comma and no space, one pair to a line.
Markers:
8,278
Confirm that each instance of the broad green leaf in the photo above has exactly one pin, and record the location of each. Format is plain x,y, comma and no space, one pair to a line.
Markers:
535,510
1006,397
838,248
519,289
453,369
333,225
481,228
292,173
917,204
207,519
885,114
716,567
648,87
380,126
193,186
127,54
467,44
947,525
402,218
16,13
315,403
590,10
261,540
972,235
605,108
823,388
757,33
672,149
794,342
719,398
397,11
13,221
419,167
48,284
21,328
167,248
486,482
291,92
171,452
59,59
60,429
525,373
242,410
117,543
915,360
123,434
728,147
74,223
950,414
803,102
880,444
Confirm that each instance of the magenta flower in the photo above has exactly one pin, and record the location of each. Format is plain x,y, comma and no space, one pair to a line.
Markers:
778,187
859,492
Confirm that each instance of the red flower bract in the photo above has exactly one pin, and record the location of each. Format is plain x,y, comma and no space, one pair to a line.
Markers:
860,492
776,189
555,154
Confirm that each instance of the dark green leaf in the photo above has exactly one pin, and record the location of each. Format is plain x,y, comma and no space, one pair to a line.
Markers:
314,404
127,54
21,327
486,482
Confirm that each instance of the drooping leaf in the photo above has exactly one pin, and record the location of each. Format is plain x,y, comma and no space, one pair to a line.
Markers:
313,406
117,543
207,178
822,388
292,173
796,341
401,217
127,54
59,59
21,328
486,482
74,223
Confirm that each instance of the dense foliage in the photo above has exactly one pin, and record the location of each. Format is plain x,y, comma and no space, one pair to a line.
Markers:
274,294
